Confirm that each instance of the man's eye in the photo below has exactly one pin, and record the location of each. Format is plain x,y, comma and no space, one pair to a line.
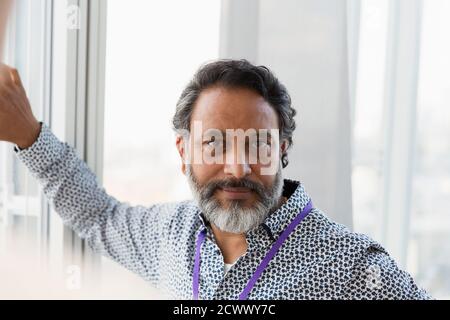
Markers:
212,143
260,144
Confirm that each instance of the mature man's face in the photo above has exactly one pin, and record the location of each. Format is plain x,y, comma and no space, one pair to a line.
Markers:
235,195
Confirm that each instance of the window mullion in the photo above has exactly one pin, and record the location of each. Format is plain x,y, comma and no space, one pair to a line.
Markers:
400,106
84,102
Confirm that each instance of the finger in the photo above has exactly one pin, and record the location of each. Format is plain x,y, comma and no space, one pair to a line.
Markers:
3,74
15,78
5,6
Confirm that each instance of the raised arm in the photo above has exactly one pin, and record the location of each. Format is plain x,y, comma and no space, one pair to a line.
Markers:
112,228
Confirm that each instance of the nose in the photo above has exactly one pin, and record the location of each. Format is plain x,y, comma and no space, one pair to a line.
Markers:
239,166
238,171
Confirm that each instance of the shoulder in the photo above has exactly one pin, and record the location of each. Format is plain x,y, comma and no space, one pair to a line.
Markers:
330,237
363,267
377,276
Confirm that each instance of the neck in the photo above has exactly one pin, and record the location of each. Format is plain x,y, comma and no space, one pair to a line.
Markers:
233,245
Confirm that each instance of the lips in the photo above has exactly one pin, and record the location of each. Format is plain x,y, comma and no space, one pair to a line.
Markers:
240,190
236,193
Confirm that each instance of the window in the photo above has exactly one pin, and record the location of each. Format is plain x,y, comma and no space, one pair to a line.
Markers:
401,172
145,75
429,239
36,44
367,174
23,212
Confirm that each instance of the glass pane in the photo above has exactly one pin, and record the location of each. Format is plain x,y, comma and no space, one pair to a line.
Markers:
368,138
149,61
428,249
429,245
20,202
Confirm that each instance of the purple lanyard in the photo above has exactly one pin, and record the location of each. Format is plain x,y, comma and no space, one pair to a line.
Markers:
272,252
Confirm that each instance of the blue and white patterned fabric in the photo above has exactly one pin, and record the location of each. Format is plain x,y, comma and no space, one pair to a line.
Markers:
320,260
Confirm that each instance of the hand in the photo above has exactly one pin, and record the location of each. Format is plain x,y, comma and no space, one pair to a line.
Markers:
17,122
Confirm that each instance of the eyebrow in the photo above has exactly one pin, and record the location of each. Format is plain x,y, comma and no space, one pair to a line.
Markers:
224,134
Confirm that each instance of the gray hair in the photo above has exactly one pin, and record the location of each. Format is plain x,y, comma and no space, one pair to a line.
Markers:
238,74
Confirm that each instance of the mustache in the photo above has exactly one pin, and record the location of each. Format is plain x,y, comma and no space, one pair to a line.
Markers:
209,189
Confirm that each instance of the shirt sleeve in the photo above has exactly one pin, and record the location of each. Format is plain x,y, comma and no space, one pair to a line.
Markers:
376,276
130,235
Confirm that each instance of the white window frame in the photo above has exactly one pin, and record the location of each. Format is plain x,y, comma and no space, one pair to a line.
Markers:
353,34
73,95
84,107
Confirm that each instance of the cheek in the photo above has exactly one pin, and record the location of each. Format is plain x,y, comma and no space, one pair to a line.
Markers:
204,172
266,180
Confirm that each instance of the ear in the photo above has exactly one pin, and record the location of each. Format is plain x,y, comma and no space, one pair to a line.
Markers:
180,144
283,153
284,146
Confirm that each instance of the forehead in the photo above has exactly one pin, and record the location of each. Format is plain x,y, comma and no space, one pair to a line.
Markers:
233,108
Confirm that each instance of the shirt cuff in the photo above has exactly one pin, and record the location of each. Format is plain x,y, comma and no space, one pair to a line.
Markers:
43,152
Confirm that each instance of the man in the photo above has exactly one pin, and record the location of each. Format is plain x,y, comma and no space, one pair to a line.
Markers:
248,233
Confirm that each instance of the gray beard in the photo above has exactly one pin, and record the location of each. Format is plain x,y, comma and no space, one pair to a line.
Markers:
236,218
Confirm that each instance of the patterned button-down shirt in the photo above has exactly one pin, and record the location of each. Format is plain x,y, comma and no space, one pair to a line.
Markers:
320,260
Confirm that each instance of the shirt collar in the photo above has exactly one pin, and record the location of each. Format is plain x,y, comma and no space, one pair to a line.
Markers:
297,197
278,220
